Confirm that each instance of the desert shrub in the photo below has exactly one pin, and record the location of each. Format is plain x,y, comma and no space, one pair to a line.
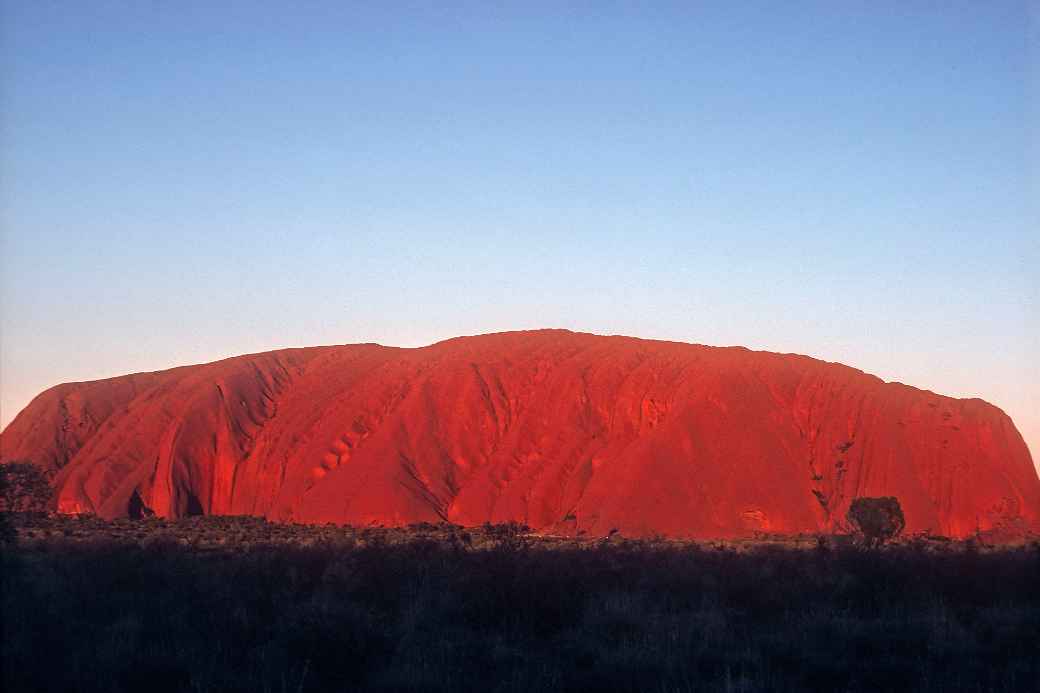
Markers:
24,487
385,610
510,536
876,520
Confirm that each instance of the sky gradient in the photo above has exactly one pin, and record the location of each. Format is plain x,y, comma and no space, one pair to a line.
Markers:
853,181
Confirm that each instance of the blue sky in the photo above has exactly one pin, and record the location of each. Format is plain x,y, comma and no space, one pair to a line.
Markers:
181,182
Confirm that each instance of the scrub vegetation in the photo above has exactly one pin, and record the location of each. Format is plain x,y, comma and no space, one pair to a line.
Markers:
237,604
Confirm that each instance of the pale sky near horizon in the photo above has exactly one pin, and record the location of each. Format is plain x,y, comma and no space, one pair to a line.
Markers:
181,182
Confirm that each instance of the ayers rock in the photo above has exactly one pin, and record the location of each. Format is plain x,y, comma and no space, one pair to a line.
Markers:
562,431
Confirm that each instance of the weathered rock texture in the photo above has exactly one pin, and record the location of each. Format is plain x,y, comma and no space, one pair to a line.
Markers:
558,430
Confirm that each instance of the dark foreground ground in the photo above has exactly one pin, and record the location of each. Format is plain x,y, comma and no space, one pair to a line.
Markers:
234,604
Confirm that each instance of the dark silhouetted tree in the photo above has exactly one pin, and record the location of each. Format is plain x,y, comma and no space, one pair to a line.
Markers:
23,487
876,519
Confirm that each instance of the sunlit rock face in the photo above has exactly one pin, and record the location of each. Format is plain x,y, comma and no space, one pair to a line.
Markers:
564,432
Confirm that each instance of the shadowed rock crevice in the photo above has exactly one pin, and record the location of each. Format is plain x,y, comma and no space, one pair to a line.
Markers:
192,506
136,508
